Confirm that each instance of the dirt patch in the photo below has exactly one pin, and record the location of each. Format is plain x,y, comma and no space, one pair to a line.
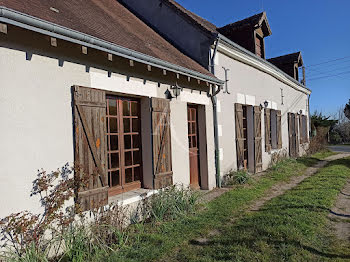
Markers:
215,193
340,214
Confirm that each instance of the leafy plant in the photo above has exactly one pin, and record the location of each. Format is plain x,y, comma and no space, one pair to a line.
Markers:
236,177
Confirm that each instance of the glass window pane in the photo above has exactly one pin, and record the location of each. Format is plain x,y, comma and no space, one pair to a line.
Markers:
134,108
193,114
135,125
190,141
128,175
188,114
194,141
128,160
136,141
194,131
126,123
114,142
137,158
189,128
115,178
127,141
113,125
137,174
112,106
115,160
109,179
126,108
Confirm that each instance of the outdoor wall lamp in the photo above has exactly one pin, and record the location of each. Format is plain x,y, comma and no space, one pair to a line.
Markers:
266,104
176,91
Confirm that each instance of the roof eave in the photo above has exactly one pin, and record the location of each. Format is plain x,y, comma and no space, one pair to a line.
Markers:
35,24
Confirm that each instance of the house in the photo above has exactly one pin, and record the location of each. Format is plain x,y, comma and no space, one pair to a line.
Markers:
90,84
263,111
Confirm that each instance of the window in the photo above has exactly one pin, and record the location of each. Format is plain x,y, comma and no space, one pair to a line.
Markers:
259,46
123,144
273,137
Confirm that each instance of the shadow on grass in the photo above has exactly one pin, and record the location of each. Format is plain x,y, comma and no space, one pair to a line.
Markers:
308,161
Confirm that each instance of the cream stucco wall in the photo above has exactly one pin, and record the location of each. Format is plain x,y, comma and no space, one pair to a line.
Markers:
36,115
248,85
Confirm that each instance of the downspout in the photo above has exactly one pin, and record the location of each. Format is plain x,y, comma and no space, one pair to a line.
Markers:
215,117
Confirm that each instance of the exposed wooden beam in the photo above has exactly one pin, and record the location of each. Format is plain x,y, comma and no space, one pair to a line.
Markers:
53,41
84,50
3,28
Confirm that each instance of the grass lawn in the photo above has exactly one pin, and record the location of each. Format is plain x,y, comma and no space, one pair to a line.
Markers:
324,154
153,242
292,227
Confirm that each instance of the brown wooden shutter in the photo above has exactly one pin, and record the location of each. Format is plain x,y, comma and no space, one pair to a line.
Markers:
267,130
297,135
239,135
162,166
279,129
90,146
301,129
305,124
257,139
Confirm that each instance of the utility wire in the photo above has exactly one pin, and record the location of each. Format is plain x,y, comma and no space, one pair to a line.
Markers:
329,61
327,76
328,71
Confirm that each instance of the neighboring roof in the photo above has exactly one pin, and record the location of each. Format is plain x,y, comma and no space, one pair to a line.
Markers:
287,59
205,24
107,20
258,20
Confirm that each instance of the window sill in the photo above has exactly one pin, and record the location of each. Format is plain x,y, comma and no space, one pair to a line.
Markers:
131,197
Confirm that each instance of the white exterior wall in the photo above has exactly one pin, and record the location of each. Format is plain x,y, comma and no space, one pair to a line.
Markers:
37,124
248,85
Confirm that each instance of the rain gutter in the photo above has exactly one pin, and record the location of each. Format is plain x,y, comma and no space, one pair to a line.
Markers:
32,23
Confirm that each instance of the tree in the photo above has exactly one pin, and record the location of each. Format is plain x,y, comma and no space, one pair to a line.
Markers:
347,110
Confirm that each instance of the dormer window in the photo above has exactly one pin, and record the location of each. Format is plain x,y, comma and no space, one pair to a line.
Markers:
259,46
290,64
249,33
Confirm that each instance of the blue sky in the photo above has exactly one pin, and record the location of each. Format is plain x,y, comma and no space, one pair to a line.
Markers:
318,28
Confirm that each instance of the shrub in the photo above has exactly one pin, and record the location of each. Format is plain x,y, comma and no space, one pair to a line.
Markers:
236,177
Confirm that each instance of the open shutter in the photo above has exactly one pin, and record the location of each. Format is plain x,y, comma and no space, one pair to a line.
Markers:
305,124
279,129
239,136
296,135
90,146
267,130
257,139
301,128
162,166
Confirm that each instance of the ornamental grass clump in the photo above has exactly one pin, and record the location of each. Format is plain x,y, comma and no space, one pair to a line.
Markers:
171,202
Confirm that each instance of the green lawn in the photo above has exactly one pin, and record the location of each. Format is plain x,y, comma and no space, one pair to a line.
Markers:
160,241
292,227
324,154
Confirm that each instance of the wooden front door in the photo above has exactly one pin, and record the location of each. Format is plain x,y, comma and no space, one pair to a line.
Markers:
124,144
192,118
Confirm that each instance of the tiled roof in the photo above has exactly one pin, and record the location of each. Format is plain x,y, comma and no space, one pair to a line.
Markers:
107,20
286,59
205,24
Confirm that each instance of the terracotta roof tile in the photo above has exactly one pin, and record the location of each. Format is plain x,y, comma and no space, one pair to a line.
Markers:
107,20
